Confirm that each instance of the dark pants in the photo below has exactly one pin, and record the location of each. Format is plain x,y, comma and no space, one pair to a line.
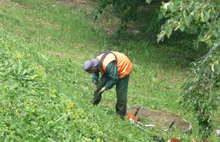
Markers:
121,90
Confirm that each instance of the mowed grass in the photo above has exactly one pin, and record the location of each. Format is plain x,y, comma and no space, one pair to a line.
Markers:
45,94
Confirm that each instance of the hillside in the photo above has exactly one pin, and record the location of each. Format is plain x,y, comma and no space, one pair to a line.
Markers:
45,94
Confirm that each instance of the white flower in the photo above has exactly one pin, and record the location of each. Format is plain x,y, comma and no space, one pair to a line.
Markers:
166,5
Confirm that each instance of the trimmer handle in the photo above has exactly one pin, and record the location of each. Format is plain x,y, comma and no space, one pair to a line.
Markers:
137,111
172,124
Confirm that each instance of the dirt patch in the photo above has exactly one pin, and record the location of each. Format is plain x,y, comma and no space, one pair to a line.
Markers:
1,1
162,119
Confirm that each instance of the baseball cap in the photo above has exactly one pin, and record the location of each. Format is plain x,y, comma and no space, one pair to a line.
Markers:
88,65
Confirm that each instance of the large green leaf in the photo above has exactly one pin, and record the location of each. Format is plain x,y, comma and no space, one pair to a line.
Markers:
172,8
182,27
161,36
215,33
207,16
169,31
148,1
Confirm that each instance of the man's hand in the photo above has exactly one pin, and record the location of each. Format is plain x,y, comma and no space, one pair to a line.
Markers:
95,85
102,90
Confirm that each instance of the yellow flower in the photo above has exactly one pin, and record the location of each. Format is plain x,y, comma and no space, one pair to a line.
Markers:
18,56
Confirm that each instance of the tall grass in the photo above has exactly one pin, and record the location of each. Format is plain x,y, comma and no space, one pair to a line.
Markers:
45,94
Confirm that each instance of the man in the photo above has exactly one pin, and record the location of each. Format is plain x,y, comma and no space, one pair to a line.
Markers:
115,68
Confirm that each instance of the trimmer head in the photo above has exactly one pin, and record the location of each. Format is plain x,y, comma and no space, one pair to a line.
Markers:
130,116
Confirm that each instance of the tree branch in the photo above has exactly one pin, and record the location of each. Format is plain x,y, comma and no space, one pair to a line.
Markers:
207,55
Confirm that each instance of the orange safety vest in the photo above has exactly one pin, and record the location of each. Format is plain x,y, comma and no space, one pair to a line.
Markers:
124,65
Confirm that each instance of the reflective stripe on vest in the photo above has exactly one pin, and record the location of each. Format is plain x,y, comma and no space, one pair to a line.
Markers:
124,65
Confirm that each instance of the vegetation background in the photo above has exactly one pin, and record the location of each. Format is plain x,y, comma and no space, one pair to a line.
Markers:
45,94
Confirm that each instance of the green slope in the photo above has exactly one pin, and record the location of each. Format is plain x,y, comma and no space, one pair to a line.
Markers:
45,94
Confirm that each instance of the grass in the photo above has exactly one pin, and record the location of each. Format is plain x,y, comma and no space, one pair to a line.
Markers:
45,94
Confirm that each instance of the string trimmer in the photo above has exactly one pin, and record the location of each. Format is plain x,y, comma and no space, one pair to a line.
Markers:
137,121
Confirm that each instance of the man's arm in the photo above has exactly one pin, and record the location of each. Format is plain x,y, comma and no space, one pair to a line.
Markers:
112,71
95,76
